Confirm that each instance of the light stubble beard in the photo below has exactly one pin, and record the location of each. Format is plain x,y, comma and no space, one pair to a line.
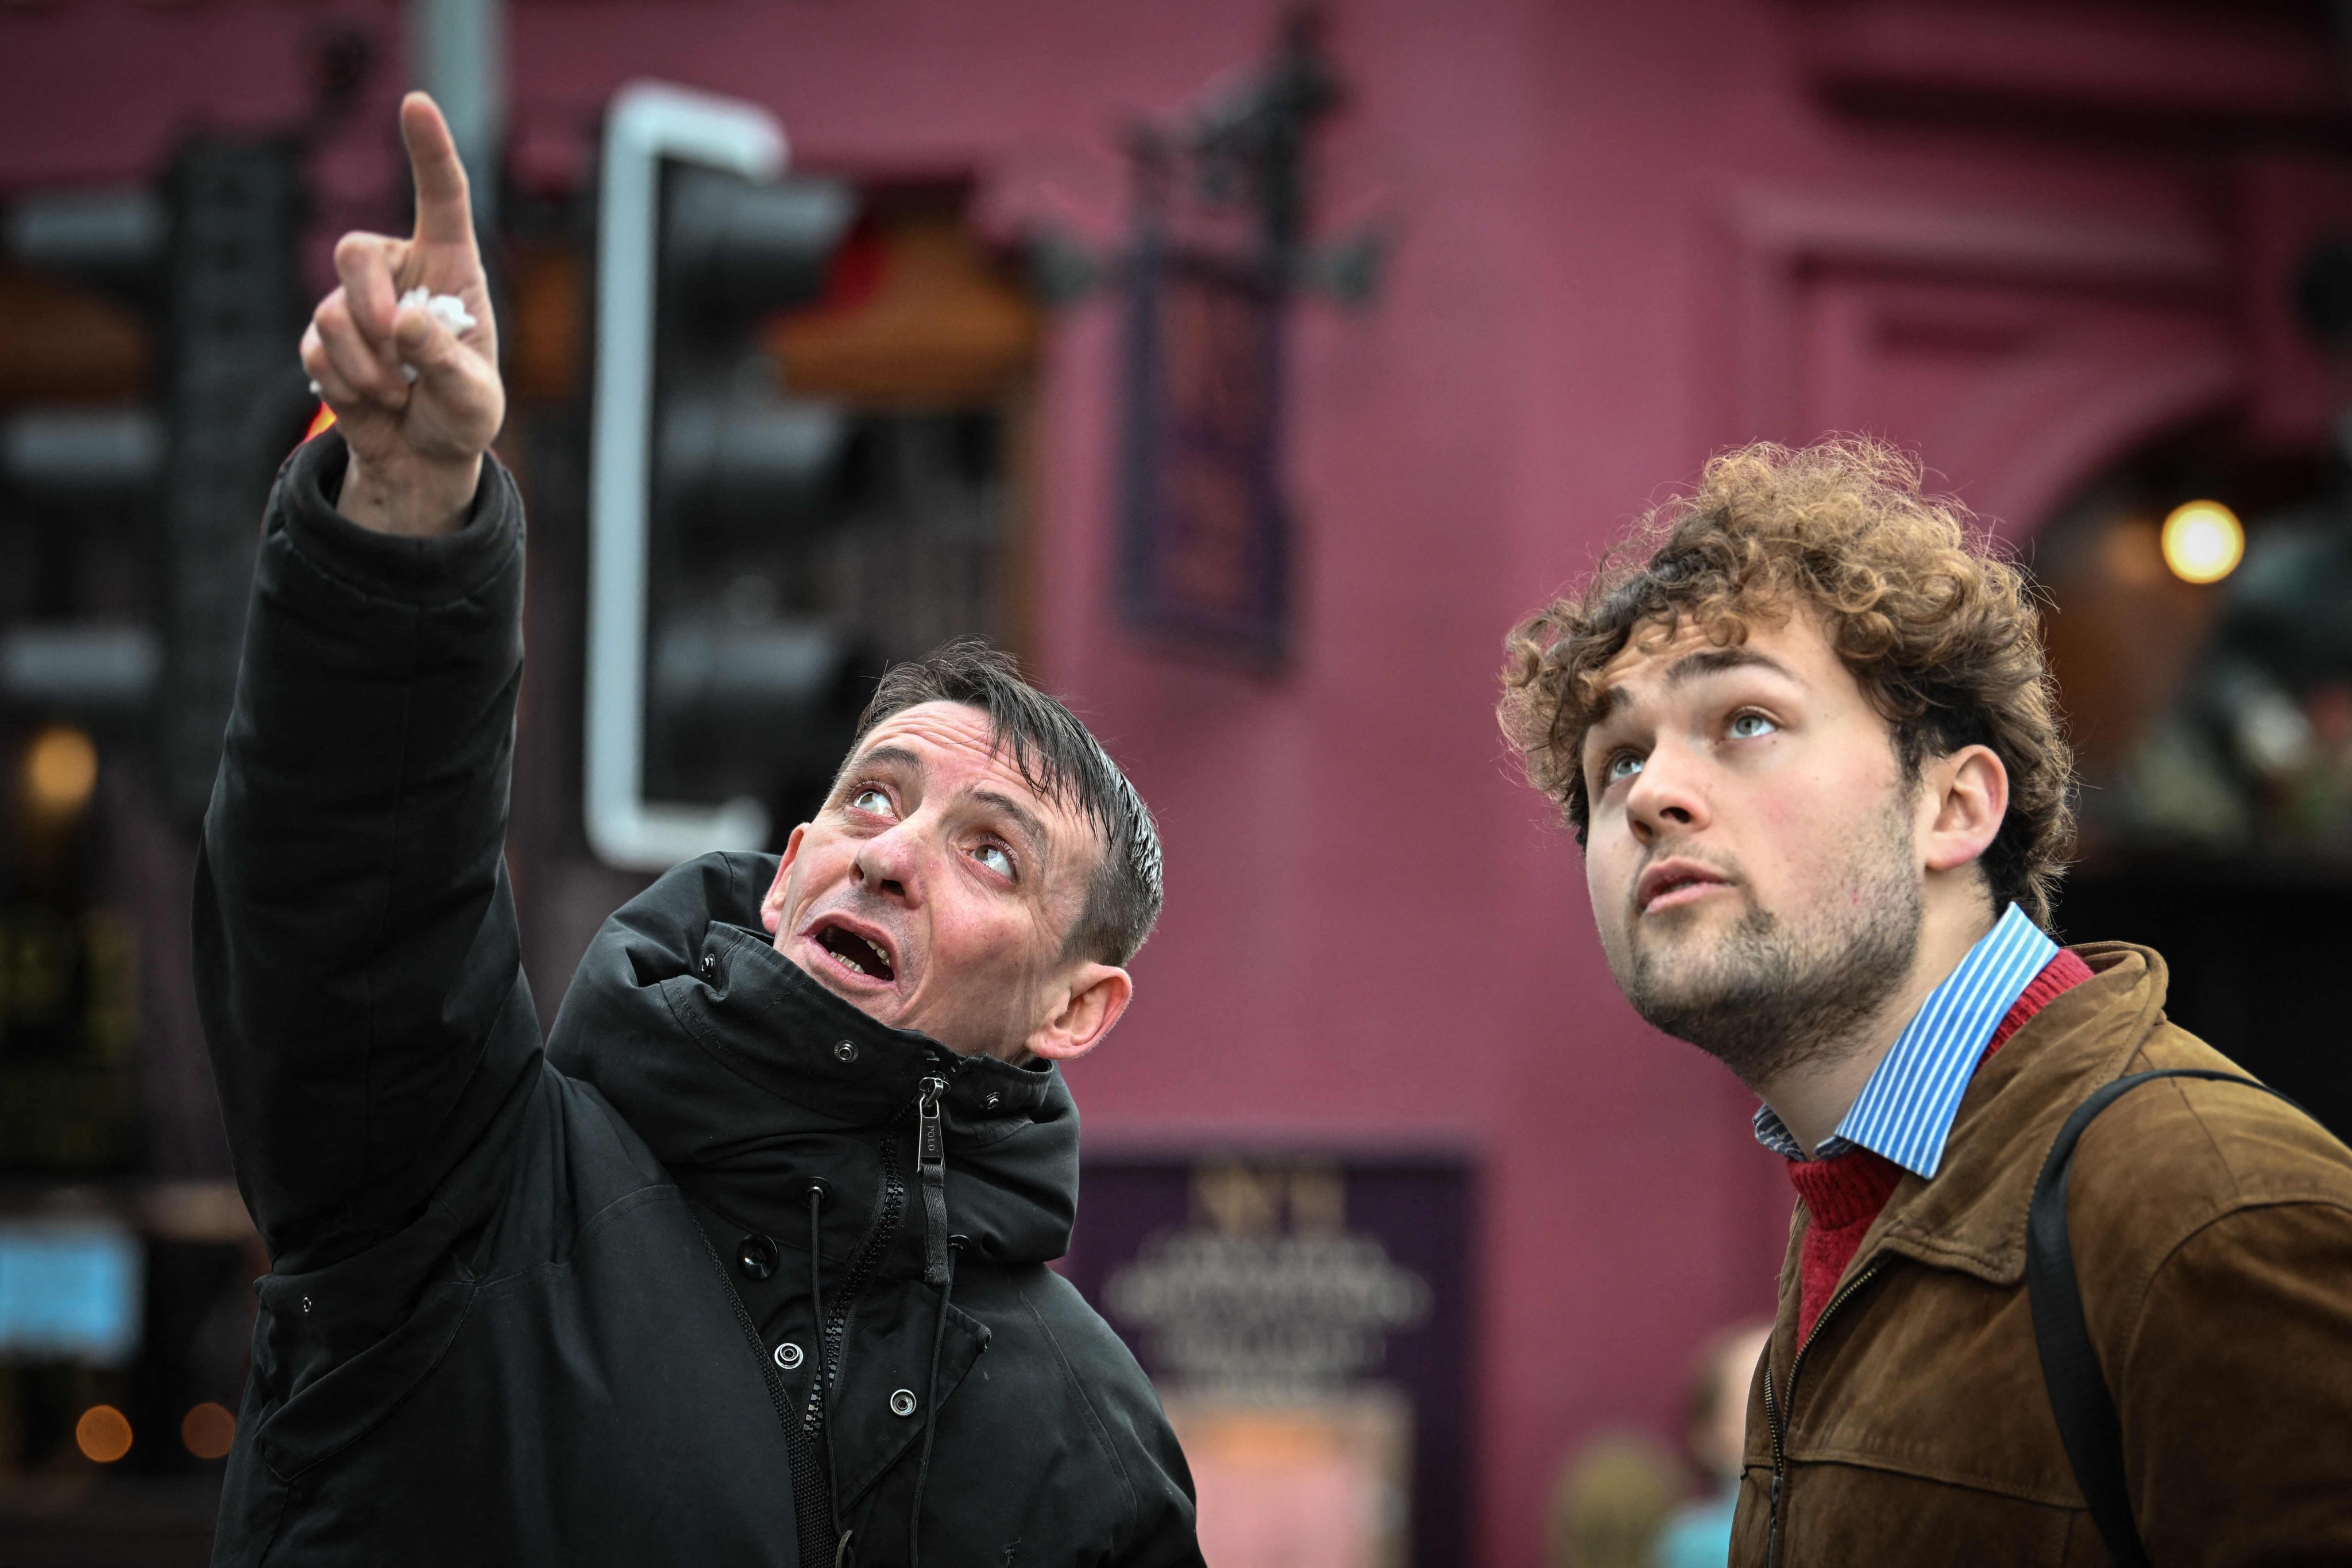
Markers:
1771,995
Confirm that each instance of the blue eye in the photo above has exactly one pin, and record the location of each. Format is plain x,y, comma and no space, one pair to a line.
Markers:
1620,767
1748,726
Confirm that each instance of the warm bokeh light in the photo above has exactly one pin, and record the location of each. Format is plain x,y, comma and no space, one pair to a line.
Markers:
61,770
208,1430
2203,542
103,1434
322,420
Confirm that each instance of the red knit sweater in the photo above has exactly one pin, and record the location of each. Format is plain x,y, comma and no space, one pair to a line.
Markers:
1844,1195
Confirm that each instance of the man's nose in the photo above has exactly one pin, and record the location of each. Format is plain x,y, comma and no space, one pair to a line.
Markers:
889,865
1668,795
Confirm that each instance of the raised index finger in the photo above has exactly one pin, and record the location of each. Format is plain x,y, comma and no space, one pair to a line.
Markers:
443,215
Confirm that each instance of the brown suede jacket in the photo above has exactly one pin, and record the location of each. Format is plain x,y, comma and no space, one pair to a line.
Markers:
2212,1233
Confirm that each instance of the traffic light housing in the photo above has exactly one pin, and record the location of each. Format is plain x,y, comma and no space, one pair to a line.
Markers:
209,258
703,684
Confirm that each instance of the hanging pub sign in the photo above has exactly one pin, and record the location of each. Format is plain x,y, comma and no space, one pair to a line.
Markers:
1205,538
1307,1320
1219,249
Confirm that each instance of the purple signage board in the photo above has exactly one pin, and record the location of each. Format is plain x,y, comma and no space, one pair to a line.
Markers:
1205,535
1306,1318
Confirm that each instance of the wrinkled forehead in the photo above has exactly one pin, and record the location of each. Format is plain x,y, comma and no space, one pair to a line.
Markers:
1789,631
956,751
1650,646
1660,660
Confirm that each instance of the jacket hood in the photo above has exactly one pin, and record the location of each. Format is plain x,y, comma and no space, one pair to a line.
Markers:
747,1079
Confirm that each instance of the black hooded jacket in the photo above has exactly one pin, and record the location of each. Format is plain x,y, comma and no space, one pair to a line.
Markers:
560,1305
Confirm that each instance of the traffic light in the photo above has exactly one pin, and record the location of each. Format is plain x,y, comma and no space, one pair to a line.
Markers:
209,259
132,499
707,679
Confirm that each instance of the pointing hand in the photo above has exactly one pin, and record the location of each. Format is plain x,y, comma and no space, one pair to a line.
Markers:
416,446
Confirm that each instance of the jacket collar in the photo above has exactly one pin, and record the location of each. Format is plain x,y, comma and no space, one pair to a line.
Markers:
745,1077
1971,1217
764,1016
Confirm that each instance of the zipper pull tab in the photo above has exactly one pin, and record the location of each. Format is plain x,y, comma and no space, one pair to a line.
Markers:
931,1148
931,1163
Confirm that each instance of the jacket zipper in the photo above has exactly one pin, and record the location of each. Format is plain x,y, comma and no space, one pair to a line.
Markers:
812,1478
835,1331
1773,1415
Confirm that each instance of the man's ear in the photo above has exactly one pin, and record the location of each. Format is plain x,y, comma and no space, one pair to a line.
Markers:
1092,1000
1969,798
772,908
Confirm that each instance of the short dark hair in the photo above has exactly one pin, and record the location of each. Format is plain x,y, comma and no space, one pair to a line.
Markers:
1941,632
1061,761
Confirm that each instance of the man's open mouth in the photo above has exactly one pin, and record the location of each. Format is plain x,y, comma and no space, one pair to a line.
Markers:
859,954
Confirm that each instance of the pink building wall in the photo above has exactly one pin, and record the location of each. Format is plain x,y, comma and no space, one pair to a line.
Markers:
1628,234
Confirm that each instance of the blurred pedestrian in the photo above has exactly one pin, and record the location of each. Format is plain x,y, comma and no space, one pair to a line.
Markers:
1610,1501
1714,1431
748,1266
1804,728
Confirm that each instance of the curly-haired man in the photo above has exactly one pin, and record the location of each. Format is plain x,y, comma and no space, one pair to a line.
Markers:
1804,728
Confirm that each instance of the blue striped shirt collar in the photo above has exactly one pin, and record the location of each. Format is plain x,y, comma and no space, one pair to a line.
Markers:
1905,1112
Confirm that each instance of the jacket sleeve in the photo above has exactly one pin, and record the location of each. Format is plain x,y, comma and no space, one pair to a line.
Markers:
2236,1392
357,964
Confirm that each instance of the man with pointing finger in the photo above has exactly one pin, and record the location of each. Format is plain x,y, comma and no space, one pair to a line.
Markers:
747,1264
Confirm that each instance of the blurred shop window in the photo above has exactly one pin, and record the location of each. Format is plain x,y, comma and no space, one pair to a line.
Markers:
927,341
1311,1484
2199,625
2202,633
1304,1317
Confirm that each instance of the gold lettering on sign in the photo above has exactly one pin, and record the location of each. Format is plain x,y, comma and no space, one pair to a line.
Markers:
1235,1199
1267,1291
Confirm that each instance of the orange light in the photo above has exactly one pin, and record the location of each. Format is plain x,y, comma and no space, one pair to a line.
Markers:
61,770
2203,542
103,1434
208,1430
322,420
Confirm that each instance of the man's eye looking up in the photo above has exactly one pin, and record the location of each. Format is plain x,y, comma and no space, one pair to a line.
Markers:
1620,767
1748,726
995,857
871,799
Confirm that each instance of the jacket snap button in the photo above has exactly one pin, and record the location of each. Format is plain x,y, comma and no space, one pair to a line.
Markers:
709,962
306,1303
788,1356
993,1099
756,1256
846,1052
903,1402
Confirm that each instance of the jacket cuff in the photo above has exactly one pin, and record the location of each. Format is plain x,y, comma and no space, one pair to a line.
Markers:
385,565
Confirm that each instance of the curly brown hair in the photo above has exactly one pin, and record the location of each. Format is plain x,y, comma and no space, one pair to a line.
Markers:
1942,633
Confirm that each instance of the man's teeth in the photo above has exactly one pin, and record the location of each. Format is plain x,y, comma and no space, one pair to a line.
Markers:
881,959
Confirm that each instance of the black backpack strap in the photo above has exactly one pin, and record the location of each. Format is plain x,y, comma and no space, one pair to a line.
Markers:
2087,1421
